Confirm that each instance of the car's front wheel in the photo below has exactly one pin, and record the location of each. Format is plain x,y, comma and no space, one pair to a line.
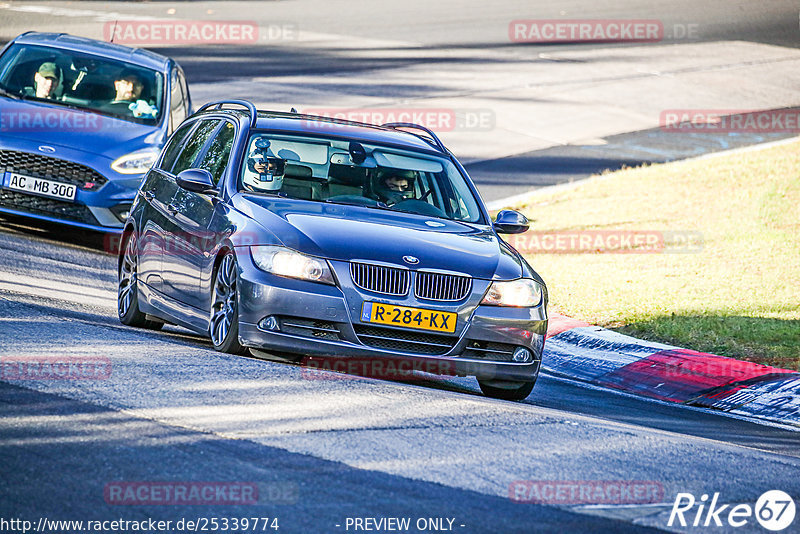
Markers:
224,328
127,293
513,391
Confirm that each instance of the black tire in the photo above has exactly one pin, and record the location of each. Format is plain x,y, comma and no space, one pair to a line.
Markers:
224,324
127,293
513,391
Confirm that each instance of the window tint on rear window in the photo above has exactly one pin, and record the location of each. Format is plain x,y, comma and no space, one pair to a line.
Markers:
218,152
174,146
192,148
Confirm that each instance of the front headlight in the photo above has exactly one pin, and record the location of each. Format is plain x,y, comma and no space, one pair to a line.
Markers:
286,262
522,293
138,162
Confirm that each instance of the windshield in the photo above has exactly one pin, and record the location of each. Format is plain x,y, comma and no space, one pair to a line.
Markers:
332,170
95,83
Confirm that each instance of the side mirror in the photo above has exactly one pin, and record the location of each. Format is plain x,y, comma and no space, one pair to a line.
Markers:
511,222
197,181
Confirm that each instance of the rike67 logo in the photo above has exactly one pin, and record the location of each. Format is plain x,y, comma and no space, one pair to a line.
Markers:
774,510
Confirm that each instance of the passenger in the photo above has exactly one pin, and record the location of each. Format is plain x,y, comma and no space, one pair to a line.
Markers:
45,81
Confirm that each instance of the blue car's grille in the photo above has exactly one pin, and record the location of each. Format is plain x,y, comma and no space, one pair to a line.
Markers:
46,206
51,168
386,280
435,286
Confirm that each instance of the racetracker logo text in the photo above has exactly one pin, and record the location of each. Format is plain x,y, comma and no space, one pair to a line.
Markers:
180,493
558,30
608,241
55,368
563,492
730,121
139,32
439,120
384,368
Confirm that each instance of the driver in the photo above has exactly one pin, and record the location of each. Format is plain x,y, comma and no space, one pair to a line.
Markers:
128,87
265,171
394,187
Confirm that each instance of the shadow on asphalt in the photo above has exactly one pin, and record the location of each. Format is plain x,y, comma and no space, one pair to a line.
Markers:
96,446
58,234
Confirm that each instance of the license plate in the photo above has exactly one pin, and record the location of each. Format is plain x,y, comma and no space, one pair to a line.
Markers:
39,186
418,318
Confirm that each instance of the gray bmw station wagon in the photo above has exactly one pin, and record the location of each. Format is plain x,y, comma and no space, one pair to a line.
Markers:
320,237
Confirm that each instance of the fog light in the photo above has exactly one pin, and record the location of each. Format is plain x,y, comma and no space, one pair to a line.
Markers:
269,323
122,211
522,355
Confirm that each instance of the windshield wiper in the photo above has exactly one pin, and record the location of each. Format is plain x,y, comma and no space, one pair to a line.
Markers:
5,92
56,102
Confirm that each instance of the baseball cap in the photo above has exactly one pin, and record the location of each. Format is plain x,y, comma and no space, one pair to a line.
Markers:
49,70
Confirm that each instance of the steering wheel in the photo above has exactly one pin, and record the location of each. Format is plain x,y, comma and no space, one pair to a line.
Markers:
420,199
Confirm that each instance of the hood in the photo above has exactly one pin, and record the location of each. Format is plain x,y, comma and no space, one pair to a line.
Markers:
341,232
59,126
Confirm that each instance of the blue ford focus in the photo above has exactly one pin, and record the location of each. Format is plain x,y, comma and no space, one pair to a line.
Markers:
81,121
312,236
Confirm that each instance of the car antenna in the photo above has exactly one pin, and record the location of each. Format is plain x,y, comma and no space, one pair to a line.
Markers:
113,31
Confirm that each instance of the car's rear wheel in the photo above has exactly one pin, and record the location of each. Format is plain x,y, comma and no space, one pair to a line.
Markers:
127,292
513,391
224,328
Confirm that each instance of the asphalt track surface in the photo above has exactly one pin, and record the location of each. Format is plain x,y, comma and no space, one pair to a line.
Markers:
324,447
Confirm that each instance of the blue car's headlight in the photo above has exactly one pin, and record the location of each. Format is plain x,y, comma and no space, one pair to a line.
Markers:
138,162
522,293
286,262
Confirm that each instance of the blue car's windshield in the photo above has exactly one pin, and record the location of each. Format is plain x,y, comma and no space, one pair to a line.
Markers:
90,82
333,170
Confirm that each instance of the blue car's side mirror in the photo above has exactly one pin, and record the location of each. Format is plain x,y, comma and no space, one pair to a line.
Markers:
197,181
511,222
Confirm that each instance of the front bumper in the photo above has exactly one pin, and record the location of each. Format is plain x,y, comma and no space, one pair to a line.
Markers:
93,208
322,320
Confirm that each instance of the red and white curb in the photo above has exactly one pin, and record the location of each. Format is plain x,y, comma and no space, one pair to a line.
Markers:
604,358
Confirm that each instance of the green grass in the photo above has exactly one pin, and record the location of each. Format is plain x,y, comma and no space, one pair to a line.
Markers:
739,296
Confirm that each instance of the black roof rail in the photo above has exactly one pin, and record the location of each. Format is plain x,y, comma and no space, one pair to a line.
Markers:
244,103
432,139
